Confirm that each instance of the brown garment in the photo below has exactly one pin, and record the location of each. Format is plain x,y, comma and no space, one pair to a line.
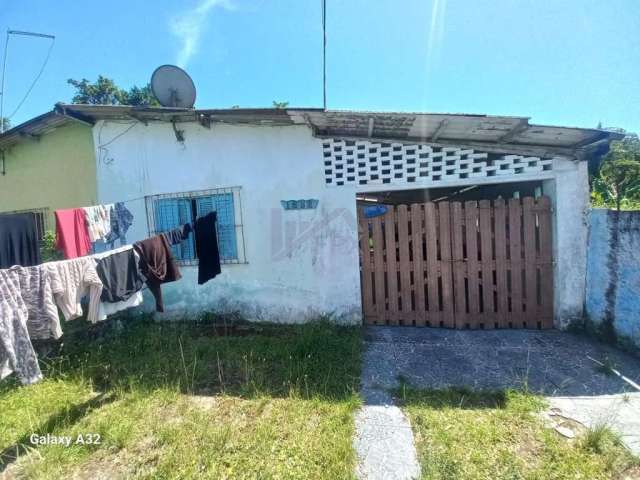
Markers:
157,265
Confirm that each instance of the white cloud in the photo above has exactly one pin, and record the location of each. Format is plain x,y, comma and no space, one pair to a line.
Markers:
188,26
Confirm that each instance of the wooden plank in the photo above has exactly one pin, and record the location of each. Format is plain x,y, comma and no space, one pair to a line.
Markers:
446,275
488,317
368,308
515,256
431,238
378,269
530,275
404,265
546,261
392,265
499,217
417,233
471,219
458,264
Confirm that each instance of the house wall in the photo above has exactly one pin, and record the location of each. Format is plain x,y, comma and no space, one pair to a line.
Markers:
613,278
56,171
300,263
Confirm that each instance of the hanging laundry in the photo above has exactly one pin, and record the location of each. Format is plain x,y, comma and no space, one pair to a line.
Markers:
19,241
207,247
118,275
178,234
70,281
35,289
99,221
72,236
107,308
121,220
157,265
16,351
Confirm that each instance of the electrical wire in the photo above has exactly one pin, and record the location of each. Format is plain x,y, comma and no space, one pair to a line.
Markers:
33,84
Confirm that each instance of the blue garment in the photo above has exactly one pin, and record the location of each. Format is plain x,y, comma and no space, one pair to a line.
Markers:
121,220
375,211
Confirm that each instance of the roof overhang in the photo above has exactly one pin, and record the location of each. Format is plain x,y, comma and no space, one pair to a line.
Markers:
42,124
490,133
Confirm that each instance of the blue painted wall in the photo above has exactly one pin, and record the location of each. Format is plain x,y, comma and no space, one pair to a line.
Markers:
613,273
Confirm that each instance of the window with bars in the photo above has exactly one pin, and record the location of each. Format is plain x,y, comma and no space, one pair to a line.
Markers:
168,211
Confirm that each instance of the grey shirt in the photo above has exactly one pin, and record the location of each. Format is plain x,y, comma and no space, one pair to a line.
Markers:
16,351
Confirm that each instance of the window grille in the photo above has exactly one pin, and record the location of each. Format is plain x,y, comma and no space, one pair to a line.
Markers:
168,211
42,219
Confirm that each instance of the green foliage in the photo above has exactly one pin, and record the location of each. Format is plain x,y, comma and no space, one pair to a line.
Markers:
104,91
280,104
48,250
6,123
617,184
478,435
181,400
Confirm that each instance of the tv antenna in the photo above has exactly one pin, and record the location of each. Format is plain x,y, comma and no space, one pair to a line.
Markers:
4,70
173,87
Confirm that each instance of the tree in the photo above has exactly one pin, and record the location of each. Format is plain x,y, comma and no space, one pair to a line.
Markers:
618,181
104,91
280,104
6,124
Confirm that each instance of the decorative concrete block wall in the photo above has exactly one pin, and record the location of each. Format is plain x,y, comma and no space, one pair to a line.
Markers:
351,162
613,275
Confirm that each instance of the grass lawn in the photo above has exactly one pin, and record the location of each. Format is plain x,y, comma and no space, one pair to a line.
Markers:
183,401
497,435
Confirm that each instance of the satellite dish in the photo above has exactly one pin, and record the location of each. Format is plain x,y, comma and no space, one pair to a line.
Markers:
173,87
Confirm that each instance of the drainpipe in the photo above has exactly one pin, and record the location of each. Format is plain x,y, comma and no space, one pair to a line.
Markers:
4,171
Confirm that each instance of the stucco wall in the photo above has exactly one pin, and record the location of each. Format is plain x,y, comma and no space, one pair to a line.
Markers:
569,192
613,274
56,171
300,263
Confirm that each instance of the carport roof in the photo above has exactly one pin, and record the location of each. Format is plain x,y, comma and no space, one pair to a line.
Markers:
504,133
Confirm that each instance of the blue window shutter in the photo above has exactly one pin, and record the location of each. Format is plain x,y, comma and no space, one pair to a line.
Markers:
169,214
223,205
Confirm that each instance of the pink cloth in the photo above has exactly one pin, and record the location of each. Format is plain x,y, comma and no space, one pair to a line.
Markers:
72,235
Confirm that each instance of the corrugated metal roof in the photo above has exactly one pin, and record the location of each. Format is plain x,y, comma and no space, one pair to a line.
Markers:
506,133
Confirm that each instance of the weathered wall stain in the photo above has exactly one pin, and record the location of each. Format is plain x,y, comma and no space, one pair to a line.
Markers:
613,276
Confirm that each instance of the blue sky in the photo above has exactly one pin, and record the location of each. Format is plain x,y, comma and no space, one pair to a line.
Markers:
565,62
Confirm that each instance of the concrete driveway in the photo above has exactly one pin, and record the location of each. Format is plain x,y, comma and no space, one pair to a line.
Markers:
548,362
556,364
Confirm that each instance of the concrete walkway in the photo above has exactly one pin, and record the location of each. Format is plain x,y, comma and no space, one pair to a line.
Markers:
551,363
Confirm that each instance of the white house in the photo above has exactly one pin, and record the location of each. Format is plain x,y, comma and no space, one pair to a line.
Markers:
289,262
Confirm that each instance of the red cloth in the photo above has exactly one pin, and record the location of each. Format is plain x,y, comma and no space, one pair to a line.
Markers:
72,235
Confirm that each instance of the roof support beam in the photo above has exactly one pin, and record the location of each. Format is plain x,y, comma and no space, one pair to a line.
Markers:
439,129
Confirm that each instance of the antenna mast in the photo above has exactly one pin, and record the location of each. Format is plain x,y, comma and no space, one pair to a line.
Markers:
4,66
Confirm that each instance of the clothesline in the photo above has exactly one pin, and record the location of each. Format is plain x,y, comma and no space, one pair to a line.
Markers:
112,281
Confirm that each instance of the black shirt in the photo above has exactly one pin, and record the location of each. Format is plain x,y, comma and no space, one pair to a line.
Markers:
19,241
120,276
207,247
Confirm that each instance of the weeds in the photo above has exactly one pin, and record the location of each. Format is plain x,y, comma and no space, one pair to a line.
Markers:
469,434
271,402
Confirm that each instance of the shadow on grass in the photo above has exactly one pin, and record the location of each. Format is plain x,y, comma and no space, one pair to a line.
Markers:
316,360
66,418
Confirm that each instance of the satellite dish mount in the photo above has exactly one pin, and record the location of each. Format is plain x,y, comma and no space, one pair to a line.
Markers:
173,88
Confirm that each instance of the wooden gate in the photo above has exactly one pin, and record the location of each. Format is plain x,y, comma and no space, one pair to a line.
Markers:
483,264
